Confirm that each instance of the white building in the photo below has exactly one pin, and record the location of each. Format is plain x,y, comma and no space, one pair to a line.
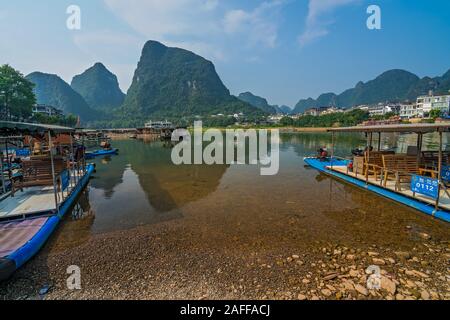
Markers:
312,112
46,110
379,110
159,125
383,109
330,110
432,102
410,110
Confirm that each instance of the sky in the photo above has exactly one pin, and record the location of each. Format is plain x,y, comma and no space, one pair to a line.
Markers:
283,50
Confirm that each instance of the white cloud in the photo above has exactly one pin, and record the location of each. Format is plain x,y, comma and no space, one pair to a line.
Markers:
260,25
199,23
317,21
188,24
162,19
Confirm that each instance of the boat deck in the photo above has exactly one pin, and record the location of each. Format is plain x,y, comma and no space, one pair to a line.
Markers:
31,201
444,201
15,234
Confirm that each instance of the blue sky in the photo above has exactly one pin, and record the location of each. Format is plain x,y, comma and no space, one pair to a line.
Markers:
283,50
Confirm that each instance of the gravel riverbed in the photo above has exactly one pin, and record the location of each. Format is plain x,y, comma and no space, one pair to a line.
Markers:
181,260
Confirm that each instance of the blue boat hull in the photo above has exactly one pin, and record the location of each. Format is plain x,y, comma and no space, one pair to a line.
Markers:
99,153
410,202
18,258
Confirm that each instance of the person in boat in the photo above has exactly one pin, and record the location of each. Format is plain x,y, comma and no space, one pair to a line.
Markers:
79,153
105,145
360,153
322,153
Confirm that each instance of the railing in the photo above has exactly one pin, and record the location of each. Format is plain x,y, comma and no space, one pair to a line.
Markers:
401,177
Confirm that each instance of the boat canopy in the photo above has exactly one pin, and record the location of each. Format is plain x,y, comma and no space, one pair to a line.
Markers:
415,128
10,126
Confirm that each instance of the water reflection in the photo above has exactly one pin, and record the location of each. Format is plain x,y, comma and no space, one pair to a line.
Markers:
141,186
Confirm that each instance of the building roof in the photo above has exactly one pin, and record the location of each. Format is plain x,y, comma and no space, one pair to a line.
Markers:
32,127
415,128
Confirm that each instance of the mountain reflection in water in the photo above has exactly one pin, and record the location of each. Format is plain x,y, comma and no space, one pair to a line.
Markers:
141,186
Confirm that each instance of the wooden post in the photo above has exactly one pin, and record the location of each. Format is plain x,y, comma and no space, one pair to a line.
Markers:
7,155
3,173
369,144
71,163
439,172
379,141
332,149
55,190
83,162
419,146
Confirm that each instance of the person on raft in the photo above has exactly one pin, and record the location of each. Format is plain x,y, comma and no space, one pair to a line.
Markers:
322,154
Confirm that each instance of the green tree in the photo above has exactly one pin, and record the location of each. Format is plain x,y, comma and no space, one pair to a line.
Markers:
435,113
287,121
16,94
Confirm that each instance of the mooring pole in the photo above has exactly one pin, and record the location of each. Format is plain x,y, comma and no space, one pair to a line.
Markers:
332,149
83,161
439,172
55,190
419,145
3,174
369,145
71,163
379,141
7,155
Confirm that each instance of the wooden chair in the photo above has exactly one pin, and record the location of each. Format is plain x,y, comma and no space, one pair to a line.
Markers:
373,163
400,168
430,159
38,173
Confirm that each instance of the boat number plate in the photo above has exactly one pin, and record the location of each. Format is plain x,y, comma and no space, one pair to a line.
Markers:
445,173
425,185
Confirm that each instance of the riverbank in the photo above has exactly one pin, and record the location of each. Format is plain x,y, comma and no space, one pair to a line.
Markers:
152,230
179,260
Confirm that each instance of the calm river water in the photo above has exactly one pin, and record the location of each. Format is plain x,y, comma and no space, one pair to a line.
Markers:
141,186
147,229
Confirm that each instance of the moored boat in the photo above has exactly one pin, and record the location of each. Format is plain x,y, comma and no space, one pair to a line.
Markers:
99,153
418,179
47,189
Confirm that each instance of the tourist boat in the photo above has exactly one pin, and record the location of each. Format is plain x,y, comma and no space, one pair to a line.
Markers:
91,138
51,182
418,179
99,153
159,125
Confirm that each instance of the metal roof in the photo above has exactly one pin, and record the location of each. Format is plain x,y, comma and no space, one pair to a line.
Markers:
33,127
415,128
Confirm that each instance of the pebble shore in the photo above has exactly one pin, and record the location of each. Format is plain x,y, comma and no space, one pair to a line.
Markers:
176,261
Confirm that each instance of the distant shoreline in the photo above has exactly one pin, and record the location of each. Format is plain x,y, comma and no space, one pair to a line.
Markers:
303,129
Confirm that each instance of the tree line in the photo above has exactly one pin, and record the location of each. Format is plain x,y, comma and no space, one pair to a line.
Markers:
17,99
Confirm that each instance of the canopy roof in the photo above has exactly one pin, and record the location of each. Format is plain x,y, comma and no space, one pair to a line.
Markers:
32,127
415,128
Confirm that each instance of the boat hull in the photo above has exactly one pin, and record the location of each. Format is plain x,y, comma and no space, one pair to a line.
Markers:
100,153
405,200
16,259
